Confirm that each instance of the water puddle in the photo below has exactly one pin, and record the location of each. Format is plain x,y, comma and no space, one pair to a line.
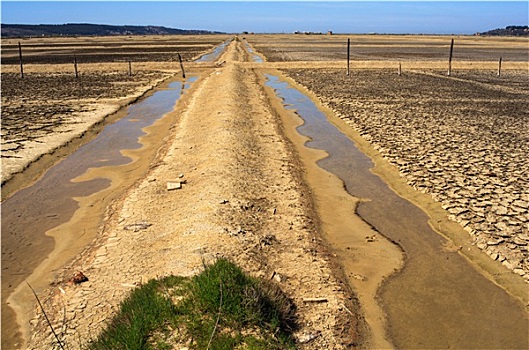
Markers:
438,300
255,57
29,213
212,56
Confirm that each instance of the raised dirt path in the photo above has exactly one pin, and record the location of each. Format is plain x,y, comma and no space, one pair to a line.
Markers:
243,199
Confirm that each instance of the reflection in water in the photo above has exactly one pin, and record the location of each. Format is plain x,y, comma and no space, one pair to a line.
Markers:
211,57
255,58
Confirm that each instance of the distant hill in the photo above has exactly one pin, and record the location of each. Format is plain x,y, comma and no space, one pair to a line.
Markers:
509,31
85,29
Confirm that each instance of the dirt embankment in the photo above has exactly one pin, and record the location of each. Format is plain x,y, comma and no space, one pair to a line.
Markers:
243,198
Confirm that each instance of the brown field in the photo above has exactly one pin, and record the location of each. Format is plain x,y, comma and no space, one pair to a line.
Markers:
459,141
463,140
108,49
280,48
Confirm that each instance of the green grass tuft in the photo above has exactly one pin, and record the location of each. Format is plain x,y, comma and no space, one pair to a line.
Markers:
220,308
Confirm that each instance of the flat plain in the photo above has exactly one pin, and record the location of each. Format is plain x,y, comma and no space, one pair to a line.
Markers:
461,140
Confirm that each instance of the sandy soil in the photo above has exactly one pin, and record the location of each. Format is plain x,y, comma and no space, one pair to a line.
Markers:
252,194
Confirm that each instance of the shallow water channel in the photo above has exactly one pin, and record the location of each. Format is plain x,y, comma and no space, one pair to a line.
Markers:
438,299
255,57
29,213
212,56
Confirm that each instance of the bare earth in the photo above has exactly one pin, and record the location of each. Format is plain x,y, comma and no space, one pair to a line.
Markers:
243,199
252,193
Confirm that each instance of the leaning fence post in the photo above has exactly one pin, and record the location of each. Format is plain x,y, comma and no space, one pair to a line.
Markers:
499,67
21,63
348,54
182,66
75,66
450,58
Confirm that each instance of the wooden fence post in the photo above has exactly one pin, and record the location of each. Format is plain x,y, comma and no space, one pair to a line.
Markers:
21,63
75,66
348,54
182,66
450,57
499,67
130,69
400,69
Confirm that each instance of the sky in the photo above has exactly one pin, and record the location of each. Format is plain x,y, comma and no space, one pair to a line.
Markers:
399,17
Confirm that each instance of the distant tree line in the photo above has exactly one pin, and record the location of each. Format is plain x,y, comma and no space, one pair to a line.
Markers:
85,29
509,31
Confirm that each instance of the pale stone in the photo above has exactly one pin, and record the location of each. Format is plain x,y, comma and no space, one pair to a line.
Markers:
519,271
174,186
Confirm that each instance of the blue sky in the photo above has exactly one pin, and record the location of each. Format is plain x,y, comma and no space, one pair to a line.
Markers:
428,17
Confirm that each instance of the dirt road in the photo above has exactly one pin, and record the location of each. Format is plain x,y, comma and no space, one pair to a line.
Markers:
243,198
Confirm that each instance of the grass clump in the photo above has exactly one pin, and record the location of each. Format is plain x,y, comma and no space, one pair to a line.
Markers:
220,308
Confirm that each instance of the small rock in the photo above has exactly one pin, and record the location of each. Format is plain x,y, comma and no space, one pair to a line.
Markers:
174,186
371,238
307,337
519,271
77,278
268,240
359,277
137,226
